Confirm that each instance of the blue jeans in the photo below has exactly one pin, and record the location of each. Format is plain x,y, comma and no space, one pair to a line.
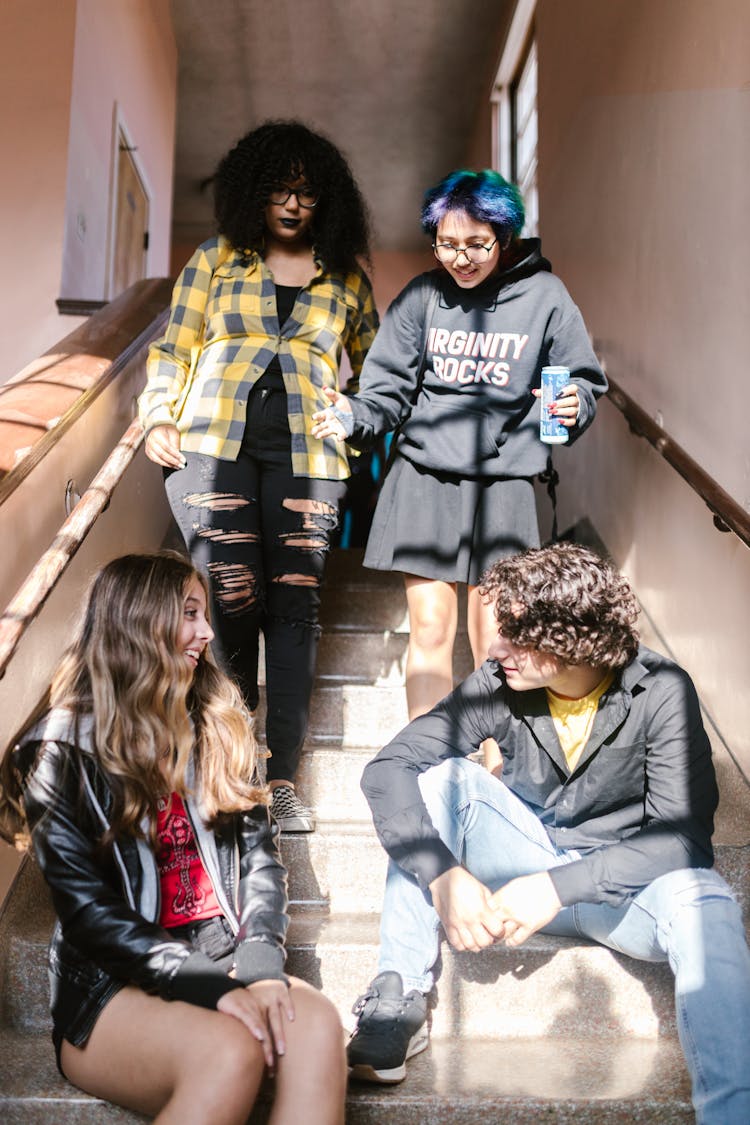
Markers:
688,918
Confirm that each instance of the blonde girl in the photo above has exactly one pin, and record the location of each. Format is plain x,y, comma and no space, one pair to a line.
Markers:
138,789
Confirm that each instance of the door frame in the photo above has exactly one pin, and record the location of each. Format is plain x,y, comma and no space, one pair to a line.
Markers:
121,136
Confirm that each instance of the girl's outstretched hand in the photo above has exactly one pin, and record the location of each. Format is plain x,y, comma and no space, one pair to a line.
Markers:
262,1007
326,424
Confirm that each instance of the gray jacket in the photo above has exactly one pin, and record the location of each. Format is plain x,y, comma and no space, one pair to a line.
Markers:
639,803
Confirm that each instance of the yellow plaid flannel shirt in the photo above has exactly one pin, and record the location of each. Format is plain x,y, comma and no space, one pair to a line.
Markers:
222,334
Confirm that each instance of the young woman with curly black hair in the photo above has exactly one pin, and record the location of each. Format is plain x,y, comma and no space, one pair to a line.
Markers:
259,317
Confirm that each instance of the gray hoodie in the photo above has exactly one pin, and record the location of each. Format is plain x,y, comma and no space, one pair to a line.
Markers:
473,413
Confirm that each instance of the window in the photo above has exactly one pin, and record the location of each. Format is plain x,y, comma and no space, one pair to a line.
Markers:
524,137
514,100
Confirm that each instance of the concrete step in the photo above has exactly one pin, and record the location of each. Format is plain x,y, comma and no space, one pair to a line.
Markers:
339,868
336,881
550,987
328,781
355,607
350,715
33,1092
375,658
338,949
351,609
342,866
582,1081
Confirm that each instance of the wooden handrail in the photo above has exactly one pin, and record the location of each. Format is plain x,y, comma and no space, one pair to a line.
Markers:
43,401
728,514
33,593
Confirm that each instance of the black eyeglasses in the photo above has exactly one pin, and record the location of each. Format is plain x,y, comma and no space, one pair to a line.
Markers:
475,252
306,197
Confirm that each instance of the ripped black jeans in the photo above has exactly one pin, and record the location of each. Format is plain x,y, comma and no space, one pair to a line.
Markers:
261,535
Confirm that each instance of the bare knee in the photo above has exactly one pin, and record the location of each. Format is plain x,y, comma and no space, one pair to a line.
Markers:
433,613
237,1062
431,630
311,1077
312,1005
316,1020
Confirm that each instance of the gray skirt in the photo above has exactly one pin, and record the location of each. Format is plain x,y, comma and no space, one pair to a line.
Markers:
450,528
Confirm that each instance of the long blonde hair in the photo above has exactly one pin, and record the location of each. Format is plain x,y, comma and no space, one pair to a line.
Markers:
152,713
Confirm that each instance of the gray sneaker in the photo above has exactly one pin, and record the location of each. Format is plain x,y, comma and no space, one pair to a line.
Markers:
289,812
390,1029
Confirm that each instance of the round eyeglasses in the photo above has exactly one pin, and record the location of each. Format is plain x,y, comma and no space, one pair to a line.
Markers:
306,197
475,252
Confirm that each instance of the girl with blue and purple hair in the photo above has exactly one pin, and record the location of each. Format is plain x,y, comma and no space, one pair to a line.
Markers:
455,369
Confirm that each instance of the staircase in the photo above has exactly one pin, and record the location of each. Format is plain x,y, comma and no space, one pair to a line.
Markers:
553,1032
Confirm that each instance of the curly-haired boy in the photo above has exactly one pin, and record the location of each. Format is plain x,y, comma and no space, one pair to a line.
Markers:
598,824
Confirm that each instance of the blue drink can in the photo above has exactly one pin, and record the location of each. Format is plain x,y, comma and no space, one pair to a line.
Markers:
550,429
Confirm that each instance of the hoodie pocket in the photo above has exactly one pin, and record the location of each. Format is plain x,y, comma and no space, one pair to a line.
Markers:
450,439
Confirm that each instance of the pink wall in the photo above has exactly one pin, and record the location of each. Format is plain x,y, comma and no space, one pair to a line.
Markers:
64,66
36,73
479,154
644,166
644,171
393,268
125,71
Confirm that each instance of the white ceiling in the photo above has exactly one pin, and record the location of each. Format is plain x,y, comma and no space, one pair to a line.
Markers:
397,84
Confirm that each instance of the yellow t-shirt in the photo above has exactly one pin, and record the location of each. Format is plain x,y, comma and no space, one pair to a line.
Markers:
574,718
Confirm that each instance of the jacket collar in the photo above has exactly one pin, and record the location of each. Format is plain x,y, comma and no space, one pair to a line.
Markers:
61,725
532,708
252,259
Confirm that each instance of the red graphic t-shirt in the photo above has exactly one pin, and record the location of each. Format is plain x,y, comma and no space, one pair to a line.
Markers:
186,891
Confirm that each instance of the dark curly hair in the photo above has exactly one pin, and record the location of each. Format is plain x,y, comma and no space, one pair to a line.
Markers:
282,150
565,600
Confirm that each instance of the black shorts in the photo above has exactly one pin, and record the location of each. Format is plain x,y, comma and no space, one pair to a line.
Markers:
212,936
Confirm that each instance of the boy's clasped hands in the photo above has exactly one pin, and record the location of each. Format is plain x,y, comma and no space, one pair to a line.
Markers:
474,918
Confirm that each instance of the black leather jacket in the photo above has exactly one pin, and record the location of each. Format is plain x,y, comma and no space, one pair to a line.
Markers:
107,902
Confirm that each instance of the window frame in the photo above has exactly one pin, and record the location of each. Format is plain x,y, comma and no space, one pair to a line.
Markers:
519,49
